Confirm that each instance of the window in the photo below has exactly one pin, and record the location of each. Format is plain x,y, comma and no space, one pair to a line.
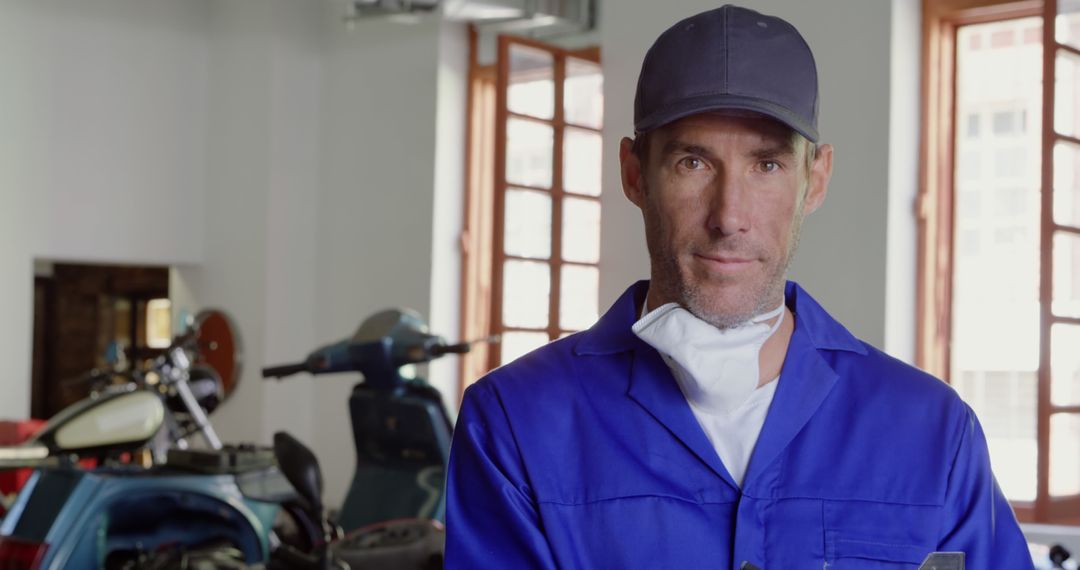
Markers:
999,284
532,244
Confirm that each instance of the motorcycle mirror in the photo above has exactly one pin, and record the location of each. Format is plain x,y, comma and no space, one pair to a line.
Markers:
218,346
301,468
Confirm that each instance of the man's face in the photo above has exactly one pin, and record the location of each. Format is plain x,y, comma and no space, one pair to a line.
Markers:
723,198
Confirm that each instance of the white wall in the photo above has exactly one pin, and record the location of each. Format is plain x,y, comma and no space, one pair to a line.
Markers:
449,204
261,202
101,135
842,257
904,122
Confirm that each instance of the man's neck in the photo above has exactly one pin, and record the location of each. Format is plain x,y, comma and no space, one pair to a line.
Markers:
774,351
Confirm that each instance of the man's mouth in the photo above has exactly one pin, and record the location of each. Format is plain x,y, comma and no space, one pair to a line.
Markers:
725,262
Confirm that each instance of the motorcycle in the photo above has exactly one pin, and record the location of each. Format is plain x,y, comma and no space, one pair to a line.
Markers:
154,409
395,506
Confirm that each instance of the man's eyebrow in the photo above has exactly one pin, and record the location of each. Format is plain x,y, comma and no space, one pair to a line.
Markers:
675,145
773,151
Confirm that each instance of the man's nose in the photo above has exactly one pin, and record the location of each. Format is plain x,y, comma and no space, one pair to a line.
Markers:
728,205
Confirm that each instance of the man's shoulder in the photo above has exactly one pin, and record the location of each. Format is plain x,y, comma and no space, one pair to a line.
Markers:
890,372
878,381
865,370
551,371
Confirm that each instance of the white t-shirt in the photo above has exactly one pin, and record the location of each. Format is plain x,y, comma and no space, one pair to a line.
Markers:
733,433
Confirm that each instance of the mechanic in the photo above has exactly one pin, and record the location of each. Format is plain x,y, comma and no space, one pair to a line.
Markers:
716,416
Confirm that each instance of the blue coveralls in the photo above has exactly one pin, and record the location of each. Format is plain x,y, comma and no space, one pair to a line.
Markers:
585,454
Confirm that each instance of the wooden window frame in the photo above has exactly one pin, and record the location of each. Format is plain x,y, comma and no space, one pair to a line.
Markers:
558,193
935,214
483,251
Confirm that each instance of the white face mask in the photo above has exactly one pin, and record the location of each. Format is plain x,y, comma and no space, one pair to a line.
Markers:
716,369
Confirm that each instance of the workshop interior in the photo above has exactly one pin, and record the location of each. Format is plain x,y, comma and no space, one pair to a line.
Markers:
253,252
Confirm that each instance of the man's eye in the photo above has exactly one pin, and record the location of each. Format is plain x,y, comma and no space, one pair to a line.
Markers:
768,166
692,163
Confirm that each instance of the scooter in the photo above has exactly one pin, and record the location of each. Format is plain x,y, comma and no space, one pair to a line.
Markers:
402,437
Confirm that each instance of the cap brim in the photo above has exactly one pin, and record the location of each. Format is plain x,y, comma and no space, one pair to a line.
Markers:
709,103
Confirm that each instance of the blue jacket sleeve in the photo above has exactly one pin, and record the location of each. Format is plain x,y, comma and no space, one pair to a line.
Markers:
491,515
978,520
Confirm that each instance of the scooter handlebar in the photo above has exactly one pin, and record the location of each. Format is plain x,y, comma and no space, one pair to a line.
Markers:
284,370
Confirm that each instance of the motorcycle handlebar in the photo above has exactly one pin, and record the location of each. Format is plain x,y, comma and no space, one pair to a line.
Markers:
284,370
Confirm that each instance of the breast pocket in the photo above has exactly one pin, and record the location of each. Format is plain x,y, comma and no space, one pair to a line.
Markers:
878,536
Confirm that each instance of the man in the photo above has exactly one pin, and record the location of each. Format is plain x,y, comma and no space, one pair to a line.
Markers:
716,416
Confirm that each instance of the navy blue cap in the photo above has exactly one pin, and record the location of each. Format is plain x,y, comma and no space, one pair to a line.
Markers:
729,58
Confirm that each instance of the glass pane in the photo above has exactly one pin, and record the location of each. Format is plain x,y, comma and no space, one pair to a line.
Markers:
529,151
515,344
583,93
1005,403
1066,284
1067,184
581,161
1067,79
528,224
532,85
995,353
1065,365
581,230
1067,26
159,323
526,290
578,297
1064,455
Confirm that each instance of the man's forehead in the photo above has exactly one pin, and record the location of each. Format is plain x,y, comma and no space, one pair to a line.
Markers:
758,127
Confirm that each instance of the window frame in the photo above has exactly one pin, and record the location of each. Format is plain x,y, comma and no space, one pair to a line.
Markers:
483,250
935,216
558,194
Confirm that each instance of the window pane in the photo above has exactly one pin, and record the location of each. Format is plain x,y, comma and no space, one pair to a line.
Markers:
1067,184
532,84
529,151
578,297
1064,455
1067,26
581,161
528,224
995,329
581,230
583,93
526,289
1006,122
1066,284
515,344
1006,403
1067,79
1065,365
158,323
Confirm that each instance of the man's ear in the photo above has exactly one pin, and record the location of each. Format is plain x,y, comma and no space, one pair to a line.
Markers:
818,183
630,165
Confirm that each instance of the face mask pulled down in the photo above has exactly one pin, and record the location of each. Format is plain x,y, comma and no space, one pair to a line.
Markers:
717,369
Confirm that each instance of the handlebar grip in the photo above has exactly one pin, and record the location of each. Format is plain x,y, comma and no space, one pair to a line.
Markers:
460,348
284,370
